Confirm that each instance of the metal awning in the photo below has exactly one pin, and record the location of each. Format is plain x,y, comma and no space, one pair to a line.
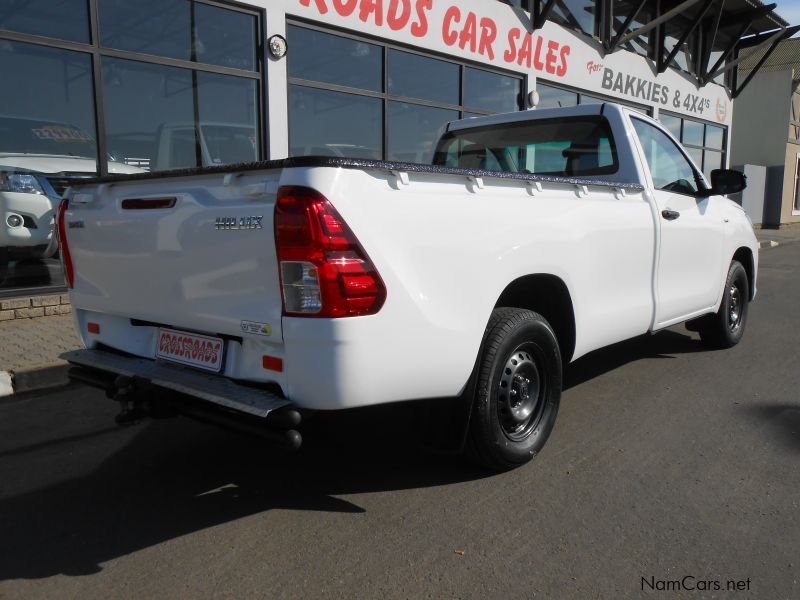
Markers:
707,38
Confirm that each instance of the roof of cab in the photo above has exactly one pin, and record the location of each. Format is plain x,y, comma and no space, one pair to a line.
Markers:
532,114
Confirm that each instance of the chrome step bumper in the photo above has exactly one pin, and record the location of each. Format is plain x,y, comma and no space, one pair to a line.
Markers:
212,388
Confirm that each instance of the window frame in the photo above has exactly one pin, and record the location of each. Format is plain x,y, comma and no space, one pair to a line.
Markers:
98,52
384,95
643,108
698,175
723,152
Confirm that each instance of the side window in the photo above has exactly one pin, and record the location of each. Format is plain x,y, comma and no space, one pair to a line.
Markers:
670,169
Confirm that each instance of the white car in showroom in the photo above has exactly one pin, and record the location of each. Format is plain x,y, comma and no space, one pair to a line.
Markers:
39,160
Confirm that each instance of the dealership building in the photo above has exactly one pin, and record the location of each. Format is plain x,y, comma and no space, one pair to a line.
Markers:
162,84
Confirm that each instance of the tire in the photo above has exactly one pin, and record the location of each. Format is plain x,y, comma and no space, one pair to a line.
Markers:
520,355
726,328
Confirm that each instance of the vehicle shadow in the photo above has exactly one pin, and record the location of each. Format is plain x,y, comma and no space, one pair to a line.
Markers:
177,477
163,480
663,344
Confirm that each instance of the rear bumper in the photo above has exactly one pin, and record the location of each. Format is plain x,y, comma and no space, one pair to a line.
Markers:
214,389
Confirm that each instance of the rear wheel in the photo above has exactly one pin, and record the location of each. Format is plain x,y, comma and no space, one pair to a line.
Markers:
518,389
726,328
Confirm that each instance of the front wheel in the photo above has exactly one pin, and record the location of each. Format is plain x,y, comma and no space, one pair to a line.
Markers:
726,328
518,389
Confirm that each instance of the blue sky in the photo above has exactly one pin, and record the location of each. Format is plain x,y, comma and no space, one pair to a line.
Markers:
788,9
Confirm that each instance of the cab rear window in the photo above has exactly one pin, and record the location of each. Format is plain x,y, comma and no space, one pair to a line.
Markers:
568,147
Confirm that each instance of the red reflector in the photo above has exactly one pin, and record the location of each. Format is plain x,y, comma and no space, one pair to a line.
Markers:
147,203
66,257
272,363
93,328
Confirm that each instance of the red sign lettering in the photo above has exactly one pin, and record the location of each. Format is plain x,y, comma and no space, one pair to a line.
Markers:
471,32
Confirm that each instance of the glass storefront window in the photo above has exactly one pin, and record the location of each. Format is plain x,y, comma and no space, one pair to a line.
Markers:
491,91
704,142
65,19
415,76
156,113
712,160
150,116
696,155
553,97
228,108
159,27
714,136
343,102
225,37
692,133
413,129
328,123
44,139
673,124
327,58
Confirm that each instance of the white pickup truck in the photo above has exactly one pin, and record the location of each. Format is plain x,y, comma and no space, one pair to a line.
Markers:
258,293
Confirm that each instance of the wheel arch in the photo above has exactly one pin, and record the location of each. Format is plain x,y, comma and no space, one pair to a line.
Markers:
549,296
744,255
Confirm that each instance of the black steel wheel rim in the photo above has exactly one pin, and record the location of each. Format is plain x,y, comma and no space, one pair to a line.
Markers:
735,307
521,393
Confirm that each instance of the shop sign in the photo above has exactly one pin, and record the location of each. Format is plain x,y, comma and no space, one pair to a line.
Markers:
496,34
641,88
457,28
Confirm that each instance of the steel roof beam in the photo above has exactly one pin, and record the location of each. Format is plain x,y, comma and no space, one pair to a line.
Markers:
540,13
684,36
726,54
709,39
746,16
786,33
611,46
772,39
656,22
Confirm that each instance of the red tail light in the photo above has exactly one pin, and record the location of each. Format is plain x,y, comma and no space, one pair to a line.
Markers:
324,270
66,259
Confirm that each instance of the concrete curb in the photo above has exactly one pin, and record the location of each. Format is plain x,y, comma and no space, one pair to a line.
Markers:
33,378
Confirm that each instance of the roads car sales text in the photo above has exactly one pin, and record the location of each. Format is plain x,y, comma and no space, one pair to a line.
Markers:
466,30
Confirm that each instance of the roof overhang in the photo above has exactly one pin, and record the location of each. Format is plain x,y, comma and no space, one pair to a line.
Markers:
715,35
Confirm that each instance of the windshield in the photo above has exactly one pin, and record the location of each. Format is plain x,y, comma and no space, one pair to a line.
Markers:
29,136
573,146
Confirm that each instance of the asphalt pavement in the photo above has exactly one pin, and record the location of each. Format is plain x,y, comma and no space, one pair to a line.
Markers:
669,465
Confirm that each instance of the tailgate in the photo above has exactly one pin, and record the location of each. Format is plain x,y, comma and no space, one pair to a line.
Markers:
193,253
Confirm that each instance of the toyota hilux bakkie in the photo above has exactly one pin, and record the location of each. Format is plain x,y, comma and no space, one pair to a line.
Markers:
259,292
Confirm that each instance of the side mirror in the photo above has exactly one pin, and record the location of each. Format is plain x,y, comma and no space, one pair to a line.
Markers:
727,181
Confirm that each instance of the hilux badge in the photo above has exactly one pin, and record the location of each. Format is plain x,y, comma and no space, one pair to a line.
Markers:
235,224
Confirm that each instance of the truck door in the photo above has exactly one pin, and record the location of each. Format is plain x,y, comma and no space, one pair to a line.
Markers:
689,266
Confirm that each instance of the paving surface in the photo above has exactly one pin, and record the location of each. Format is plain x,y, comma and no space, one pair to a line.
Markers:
669,463
28,343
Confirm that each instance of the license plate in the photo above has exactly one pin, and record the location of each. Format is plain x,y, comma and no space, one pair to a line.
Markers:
200,351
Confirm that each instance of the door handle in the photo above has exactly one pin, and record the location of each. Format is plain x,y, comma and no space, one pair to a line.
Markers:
670,215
